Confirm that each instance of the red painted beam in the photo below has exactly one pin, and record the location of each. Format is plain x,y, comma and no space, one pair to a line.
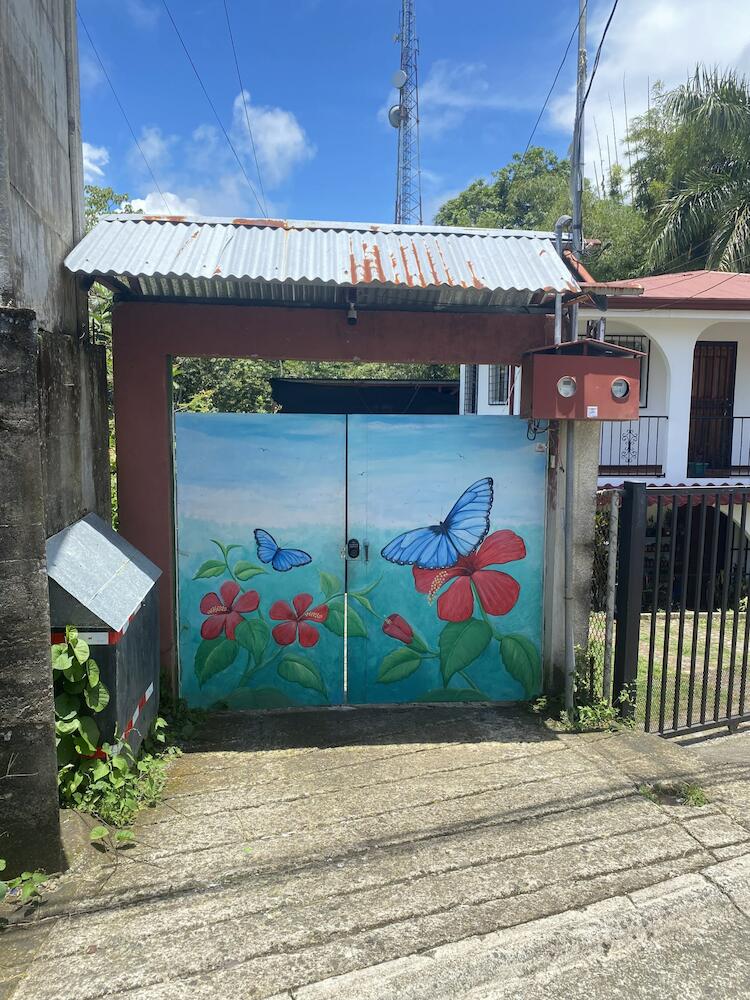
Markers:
146,336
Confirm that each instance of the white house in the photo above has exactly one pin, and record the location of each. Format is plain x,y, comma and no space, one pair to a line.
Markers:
694,426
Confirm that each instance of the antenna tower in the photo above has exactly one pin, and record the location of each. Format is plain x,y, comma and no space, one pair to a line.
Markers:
404,116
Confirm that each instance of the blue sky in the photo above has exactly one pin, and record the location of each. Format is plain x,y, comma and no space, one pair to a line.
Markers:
316,75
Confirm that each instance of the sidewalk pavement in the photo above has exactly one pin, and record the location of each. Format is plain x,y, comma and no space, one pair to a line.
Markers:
419,853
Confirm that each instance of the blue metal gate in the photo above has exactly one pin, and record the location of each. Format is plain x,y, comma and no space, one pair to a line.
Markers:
360,559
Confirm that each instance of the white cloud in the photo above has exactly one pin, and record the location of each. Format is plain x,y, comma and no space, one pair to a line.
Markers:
95,158
452,90
142,13
652,40
89,72
280,141
155,147
153,204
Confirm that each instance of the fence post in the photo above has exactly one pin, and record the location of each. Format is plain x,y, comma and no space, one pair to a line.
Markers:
609,610
629,591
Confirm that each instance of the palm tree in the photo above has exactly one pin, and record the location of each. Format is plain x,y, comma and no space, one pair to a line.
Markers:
705,222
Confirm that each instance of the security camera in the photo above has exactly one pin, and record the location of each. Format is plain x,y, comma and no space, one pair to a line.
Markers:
351,314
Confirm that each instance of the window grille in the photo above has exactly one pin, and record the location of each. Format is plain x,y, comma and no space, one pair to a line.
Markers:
499,383
470,388
636,342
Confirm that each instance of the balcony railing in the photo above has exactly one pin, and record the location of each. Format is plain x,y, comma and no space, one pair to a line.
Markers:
719,446
633,447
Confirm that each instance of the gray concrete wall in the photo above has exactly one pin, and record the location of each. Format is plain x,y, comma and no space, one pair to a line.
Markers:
41,168
29,828
585,475
54,459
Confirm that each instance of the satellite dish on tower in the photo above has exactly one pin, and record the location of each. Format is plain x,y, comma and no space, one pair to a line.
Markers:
398,79
395,115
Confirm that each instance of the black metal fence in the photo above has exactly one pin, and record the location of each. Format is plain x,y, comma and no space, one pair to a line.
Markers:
633,447
719,445
683,629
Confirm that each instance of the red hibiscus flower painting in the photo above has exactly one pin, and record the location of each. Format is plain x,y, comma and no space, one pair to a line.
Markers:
225,611
398,627
296,621
496,591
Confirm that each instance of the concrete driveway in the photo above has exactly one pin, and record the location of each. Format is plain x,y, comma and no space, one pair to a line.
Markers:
413,854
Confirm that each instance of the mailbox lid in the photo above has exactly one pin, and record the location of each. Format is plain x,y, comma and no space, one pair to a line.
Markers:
97,575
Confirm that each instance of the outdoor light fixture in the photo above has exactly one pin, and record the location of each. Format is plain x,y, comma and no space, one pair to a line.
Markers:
567,386
620,388
351,313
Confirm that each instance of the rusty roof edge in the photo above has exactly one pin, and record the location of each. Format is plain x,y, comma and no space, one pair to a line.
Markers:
610,288
306,281
333,226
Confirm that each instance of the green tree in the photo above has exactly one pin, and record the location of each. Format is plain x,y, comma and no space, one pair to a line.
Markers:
533,191
699,197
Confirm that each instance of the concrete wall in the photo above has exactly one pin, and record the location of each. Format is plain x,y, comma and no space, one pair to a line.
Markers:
54,464
41,167
28,768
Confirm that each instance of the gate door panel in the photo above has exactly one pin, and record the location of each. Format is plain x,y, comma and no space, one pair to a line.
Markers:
260,531
445,594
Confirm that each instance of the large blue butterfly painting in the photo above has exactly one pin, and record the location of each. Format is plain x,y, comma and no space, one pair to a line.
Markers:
440,545
282,560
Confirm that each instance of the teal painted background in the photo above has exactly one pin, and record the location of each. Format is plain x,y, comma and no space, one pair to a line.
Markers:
234,473
408,472
287,474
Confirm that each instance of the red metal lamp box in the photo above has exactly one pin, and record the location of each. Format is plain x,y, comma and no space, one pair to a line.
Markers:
581,380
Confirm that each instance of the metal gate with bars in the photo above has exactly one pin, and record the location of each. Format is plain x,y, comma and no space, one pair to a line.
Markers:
681,619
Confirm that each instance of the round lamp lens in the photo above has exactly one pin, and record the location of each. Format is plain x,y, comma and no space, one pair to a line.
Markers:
620,388
566,386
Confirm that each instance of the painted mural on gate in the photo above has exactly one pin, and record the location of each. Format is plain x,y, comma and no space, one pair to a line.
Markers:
452,513
444,602
260,515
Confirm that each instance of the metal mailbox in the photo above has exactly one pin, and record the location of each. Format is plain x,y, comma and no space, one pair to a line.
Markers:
107,588
581,380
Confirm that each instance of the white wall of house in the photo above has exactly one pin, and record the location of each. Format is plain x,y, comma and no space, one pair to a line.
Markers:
658,449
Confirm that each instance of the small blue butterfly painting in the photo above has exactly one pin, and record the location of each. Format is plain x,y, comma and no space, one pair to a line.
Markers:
282,560
439,545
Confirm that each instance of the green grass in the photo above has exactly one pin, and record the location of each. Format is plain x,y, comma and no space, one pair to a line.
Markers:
681,793
673,661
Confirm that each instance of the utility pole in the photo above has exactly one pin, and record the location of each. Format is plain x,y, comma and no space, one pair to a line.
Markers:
576,172
405,117
576,179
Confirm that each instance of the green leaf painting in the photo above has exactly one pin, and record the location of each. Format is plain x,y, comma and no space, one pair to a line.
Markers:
521,659
253,634
212,567
399,664
460,644
213,657
298,669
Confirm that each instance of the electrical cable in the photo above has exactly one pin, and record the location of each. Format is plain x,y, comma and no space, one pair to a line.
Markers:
247,113
598,55
211,104
122,111
554,82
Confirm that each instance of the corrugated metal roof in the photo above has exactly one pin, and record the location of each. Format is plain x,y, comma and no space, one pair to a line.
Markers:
318,263
102,571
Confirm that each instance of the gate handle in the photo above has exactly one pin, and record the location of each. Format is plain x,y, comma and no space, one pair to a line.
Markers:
352,548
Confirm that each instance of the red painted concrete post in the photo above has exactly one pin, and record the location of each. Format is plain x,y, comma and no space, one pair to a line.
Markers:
147,335
143,383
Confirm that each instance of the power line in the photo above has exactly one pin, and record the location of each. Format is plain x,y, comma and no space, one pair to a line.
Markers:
247,113
211,105
122,110
598,54
557,76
